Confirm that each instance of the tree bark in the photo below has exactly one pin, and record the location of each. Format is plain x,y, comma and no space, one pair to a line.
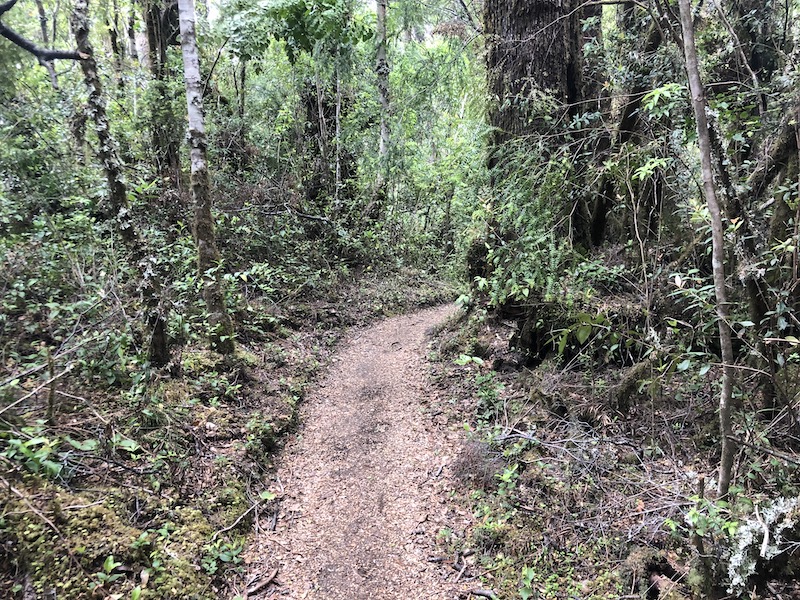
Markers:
700,105
118,210
382,72
165,133
221,327
117,48
132,52
533,48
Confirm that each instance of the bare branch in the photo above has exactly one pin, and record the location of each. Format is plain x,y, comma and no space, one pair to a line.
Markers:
475,25
40,53
7,6
43,54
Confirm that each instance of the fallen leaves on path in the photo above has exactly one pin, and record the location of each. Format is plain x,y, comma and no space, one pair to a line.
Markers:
364,480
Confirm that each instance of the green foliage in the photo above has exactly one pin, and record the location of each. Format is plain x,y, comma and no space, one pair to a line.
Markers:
526,255
707,518
35,453
107,576
527,591
663,101
490,404
312,26
221,555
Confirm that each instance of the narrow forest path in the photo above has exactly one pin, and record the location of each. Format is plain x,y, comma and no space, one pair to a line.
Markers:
364,481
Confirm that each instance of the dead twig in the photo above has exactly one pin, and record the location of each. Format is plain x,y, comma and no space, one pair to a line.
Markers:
38,389
237,521
261,585
483,594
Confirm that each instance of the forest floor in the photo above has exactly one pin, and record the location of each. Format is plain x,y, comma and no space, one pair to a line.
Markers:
164,482
363,486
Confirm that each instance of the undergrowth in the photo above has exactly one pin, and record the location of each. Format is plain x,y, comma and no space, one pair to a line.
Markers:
127,481
591,479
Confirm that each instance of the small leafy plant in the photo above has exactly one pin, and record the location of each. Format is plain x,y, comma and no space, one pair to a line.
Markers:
36,454
527,590
107,576
221,553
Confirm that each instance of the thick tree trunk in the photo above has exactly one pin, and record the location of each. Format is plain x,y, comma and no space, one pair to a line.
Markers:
207,254
700,105
536,83
533,48
118,210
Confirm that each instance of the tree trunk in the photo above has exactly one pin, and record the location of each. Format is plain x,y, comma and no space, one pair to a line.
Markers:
221,327
338,138
118,209
534,56
592,224
533,48
382,72
242,91
700,105
117,48
132,52
165,132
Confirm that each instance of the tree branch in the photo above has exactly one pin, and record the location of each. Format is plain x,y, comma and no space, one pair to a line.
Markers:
475,25
41,53
7,6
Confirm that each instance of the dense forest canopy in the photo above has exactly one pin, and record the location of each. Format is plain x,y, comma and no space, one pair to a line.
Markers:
185,189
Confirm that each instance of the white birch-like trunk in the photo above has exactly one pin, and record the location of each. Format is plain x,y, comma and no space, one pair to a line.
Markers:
220,325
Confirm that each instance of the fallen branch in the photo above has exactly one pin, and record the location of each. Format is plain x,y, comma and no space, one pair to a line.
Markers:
775,453
484,594
263,584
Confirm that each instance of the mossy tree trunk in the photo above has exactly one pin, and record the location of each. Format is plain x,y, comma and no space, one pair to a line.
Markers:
220,324
118,210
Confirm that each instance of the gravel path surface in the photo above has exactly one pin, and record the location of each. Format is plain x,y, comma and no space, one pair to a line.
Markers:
365,479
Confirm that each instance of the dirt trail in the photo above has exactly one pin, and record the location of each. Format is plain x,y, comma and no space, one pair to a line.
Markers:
364,479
